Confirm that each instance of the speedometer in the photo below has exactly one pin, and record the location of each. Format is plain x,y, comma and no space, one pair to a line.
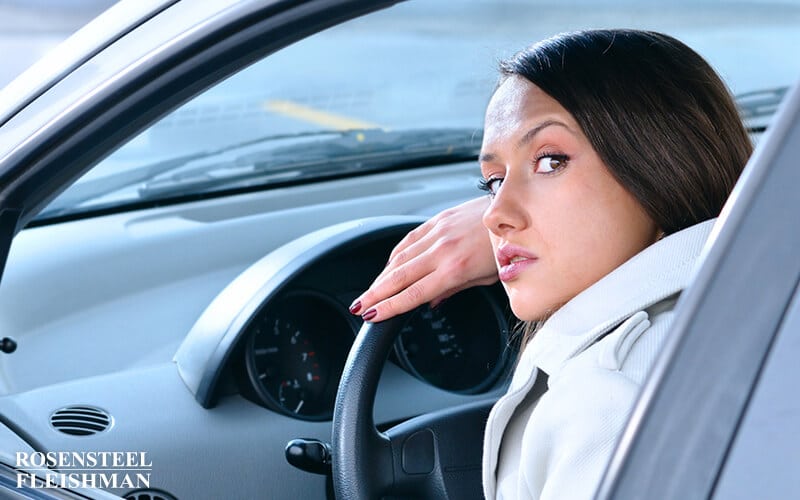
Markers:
295,354
460,346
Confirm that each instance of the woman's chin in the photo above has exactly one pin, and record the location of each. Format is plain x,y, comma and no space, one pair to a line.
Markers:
525,311
527,308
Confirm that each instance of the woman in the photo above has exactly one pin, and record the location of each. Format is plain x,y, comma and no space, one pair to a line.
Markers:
606,155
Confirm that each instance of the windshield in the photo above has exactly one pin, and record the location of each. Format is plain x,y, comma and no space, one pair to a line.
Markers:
406,87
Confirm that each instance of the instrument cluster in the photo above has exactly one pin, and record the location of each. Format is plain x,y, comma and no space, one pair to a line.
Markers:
297,343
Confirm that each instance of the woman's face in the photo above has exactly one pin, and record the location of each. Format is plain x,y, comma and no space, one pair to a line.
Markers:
558,220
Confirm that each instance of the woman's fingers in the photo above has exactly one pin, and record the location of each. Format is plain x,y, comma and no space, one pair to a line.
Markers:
419,292
408,263
426,289
404,253
413,237
448,253
396,279
478,282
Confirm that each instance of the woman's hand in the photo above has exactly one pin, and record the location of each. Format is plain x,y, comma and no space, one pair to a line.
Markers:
447,254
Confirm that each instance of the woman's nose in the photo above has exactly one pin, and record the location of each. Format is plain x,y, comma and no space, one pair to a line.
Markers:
507,211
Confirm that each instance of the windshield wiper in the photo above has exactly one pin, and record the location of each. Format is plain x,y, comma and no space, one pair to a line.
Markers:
356,151
757,107
92,189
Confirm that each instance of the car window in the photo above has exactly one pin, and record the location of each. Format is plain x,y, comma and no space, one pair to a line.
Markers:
763,460
375,94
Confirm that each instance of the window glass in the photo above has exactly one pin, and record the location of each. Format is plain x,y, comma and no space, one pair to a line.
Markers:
763,460
404,87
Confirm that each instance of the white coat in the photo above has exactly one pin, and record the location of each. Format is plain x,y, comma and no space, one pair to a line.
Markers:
597,351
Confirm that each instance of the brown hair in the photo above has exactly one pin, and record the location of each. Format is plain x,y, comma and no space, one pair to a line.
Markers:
653,109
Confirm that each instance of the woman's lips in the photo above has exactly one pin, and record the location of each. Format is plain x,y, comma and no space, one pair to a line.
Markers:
512,270
512,261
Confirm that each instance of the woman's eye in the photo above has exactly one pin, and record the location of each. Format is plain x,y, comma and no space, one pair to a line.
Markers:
550,163
490,185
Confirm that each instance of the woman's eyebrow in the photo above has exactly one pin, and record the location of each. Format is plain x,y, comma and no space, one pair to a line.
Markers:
527,138
487,157
530,134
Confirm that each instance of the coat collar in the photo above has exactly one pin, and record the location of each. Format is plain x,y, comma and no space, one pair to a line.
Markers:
659,271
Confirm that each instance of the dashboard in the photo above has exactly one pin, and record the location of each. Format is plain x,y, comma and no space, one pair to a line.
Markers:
152,316
285,336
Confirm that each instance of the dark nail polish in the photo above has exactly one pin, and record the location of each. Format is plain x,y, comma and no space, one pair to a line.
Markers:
355,307
369,315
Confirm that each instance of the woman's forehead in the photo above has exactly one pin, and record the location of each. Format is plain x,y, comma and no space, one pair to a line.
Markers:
517,107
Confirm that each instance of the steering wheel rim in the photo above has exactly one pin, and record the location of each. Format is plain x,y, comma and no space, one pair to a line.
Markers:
436,455
361,455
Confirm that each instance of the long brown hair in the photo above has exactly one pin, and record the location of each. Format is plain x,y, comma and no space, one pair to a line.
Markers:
654,110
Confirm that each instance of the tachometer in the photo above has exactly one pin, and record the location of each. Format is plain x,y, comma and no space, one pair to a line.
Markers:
295,353
460,346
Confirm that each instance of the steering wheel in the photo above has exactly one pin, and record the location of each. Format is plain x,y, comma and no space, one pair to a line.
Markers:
437,455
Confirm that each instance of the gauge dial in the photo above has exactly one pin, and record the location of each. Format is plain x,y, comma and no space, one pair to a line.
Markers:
295,358
459,346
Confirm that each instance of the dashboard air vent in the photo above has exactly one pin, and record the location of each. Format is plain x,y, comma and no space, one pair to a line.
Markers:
151,494
80,420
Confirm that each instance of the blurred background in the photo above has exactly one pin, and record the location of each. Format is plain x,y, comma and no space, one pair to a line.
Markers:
29,28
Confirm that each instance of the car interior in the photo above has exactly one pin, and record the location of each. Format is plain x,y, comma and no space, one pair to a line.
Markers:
186,296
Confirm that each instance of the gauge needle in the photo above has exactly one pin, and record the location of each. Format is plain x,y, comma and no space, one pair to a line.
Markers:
299,405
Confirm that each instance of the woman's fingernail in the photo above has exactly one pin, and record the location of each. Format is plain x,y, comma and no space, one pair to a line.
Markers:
369,315
355,307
